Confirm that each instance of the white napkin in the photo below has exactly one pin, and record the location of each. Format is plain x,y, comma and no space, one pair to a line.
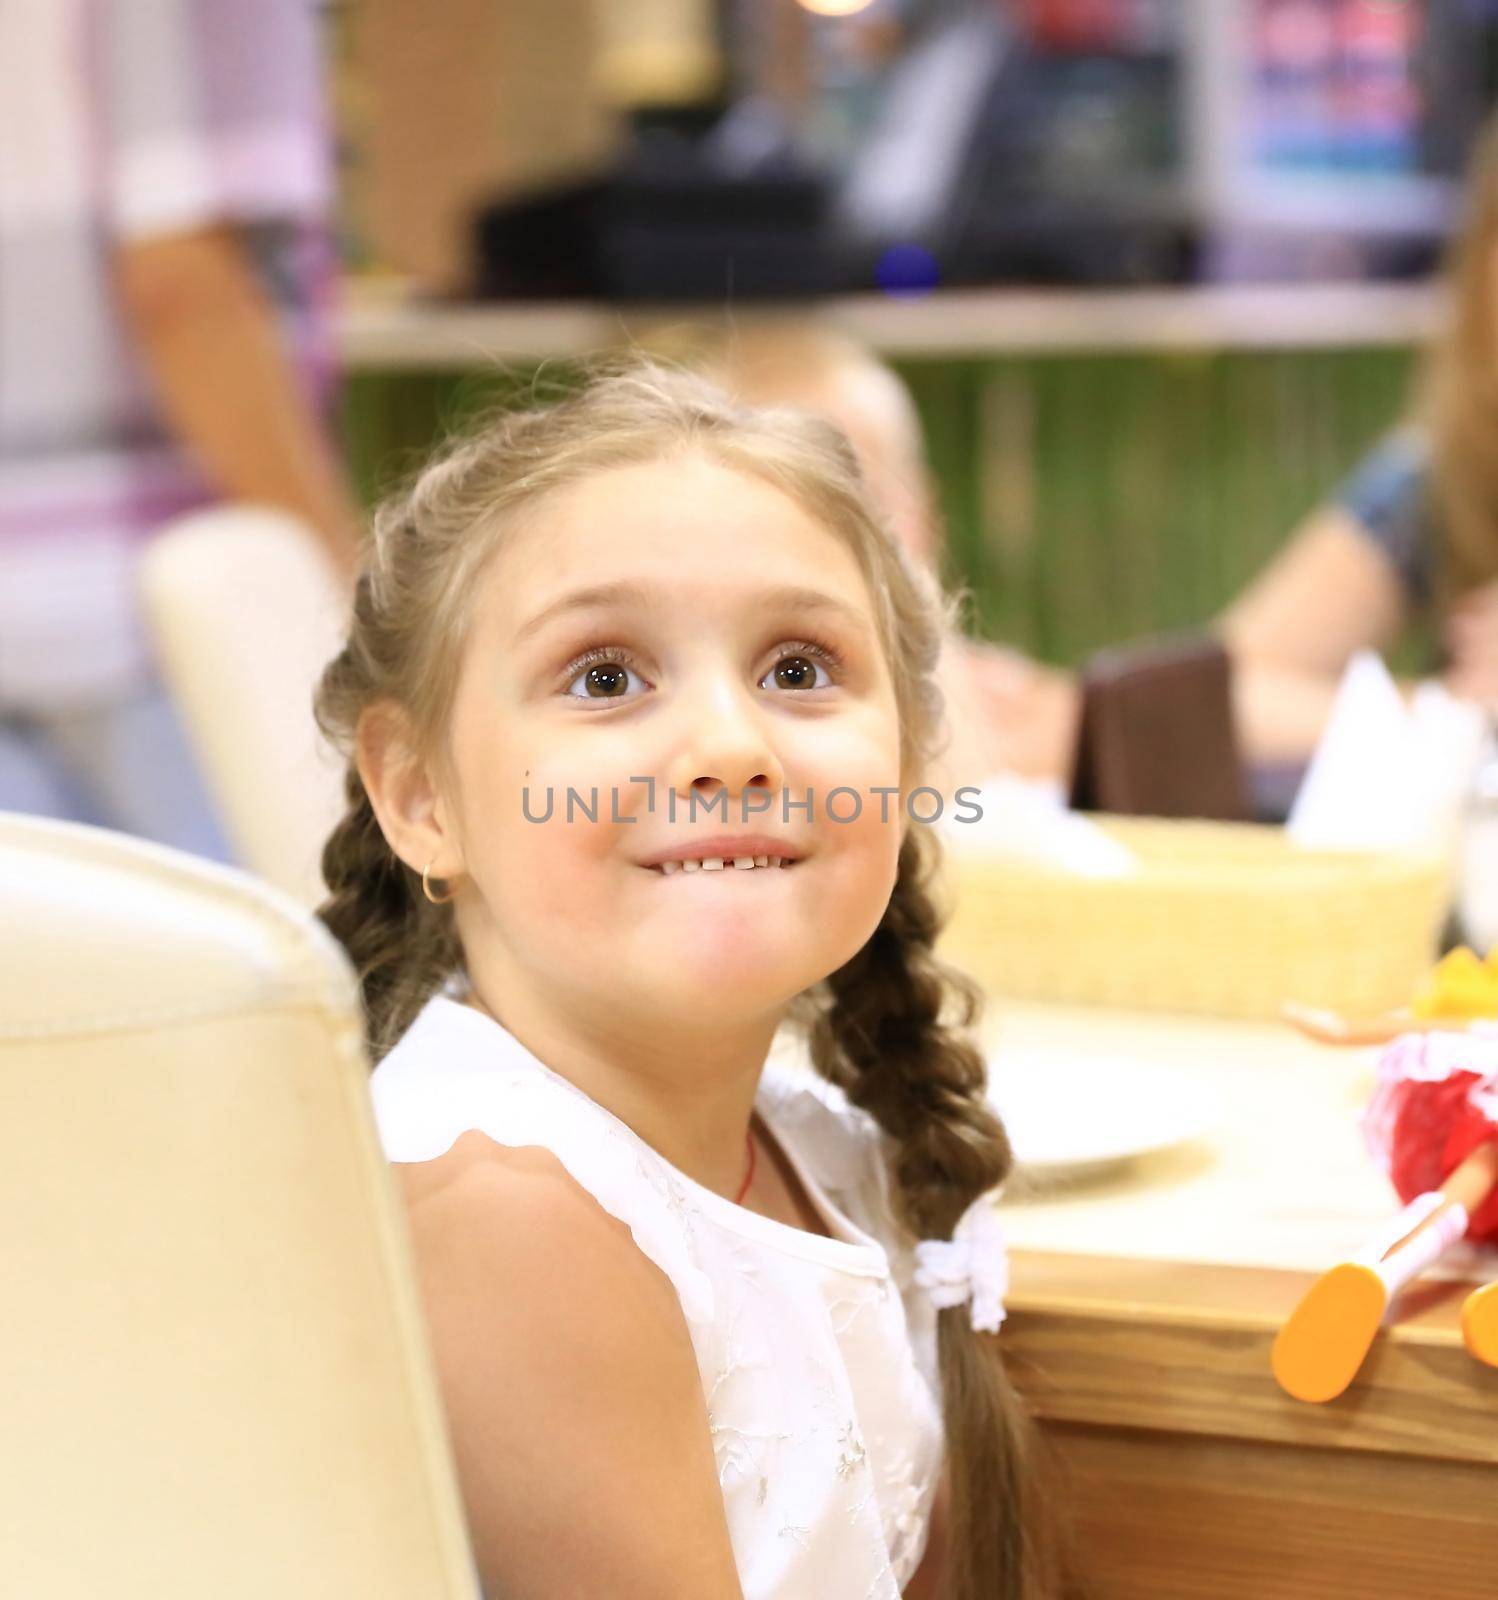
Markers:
1029,819
1386,775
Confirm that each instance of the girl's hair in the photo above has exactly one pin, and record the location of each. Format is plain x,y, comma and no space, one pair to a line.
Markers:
764,359
760,359
1457,397
876,1027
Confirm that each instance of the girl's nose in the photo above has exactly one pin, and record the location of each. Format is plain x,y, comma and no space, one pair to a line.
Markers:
724,739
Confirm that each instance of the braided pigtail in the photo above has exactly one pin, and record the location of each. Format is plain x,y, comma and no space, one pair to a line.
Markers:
884,1039
402,946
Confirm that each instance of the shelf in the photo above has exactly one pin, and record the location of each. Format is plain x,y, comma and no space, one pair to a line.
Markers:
377,333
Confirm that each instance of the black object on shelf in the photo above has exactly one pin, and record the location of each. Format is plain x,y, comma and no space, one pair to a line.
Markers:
987,164
669,224
702,237
542,246
1004,165
1071,176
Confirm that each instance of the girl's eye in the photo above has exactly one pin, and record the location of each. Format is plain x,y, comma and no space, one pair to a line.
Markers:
797,667
604,672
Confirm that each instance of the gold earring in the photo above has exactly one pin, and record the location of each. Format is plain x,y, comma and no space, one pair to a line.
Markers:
426,888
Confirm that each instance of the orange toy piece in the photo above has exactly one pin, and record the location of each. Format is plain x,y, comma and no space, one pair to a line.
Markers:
1480,1323
1328,1335
1326,1338
1461,986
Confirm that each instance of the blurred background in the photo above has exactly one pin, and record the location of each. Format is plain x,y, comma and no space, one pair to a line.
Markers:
1152,287
1107,465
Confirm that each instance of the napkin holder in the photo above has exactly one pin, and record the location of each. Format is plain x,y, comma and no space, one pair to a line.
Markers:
1156,736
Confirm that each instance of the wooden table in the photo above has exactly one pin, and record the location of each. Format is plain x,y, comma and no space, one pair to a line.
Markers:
1142,1312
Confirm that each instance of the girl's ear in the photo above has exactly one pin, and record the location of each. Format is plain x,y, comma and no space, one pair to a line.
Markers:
401,792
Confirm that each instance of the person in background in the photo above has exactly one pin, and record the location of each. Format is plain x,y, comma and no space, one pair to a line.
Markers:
165,271
1411,532
1006,712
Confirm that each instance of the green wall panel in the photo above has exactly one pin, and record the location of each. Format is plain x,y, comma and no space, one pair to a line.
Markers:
1087,498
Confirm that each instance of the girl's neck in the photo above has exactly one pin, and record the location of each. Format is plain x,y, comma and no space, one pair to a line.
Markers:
696,1115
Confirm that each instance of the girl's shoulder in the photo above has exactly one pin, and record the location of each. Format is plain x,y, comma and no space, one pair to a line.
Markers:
453,1071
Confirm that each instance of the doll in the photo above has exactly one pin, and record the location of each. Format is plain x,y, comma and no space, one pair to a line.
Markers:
1432,1124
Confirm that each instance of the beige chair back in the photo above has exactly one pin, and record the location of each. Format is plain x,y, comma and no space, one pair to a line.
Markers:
245,611
215,1368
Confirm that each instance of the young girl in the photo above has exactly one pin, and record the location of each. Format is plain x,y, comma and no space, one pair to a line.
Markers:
700,1318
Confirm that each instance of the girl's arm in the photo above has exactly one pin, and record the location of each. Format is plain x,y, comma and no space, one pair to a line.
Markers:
572,1391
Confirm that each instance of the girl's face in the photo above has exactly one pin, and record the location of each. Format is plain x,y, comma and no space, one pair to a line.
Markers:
708,676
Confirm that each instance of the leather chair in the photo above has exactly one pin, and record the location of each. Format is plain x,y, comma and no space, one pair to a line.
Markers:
245,611
215,1370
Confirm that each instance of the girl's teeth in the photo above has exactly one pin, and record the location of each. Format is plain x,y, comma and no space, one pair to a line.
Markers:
716,864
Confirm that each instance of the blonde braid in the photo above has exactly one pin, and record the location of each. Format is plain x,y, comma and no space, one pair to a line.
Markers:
883,1038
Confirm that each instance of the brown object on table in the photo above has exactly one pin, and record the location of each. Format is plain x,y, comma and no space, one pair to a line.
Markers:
1156,735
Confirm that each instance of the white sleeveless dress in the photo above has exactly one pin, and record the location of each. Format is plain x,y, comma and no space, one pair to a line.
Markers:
817,1355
